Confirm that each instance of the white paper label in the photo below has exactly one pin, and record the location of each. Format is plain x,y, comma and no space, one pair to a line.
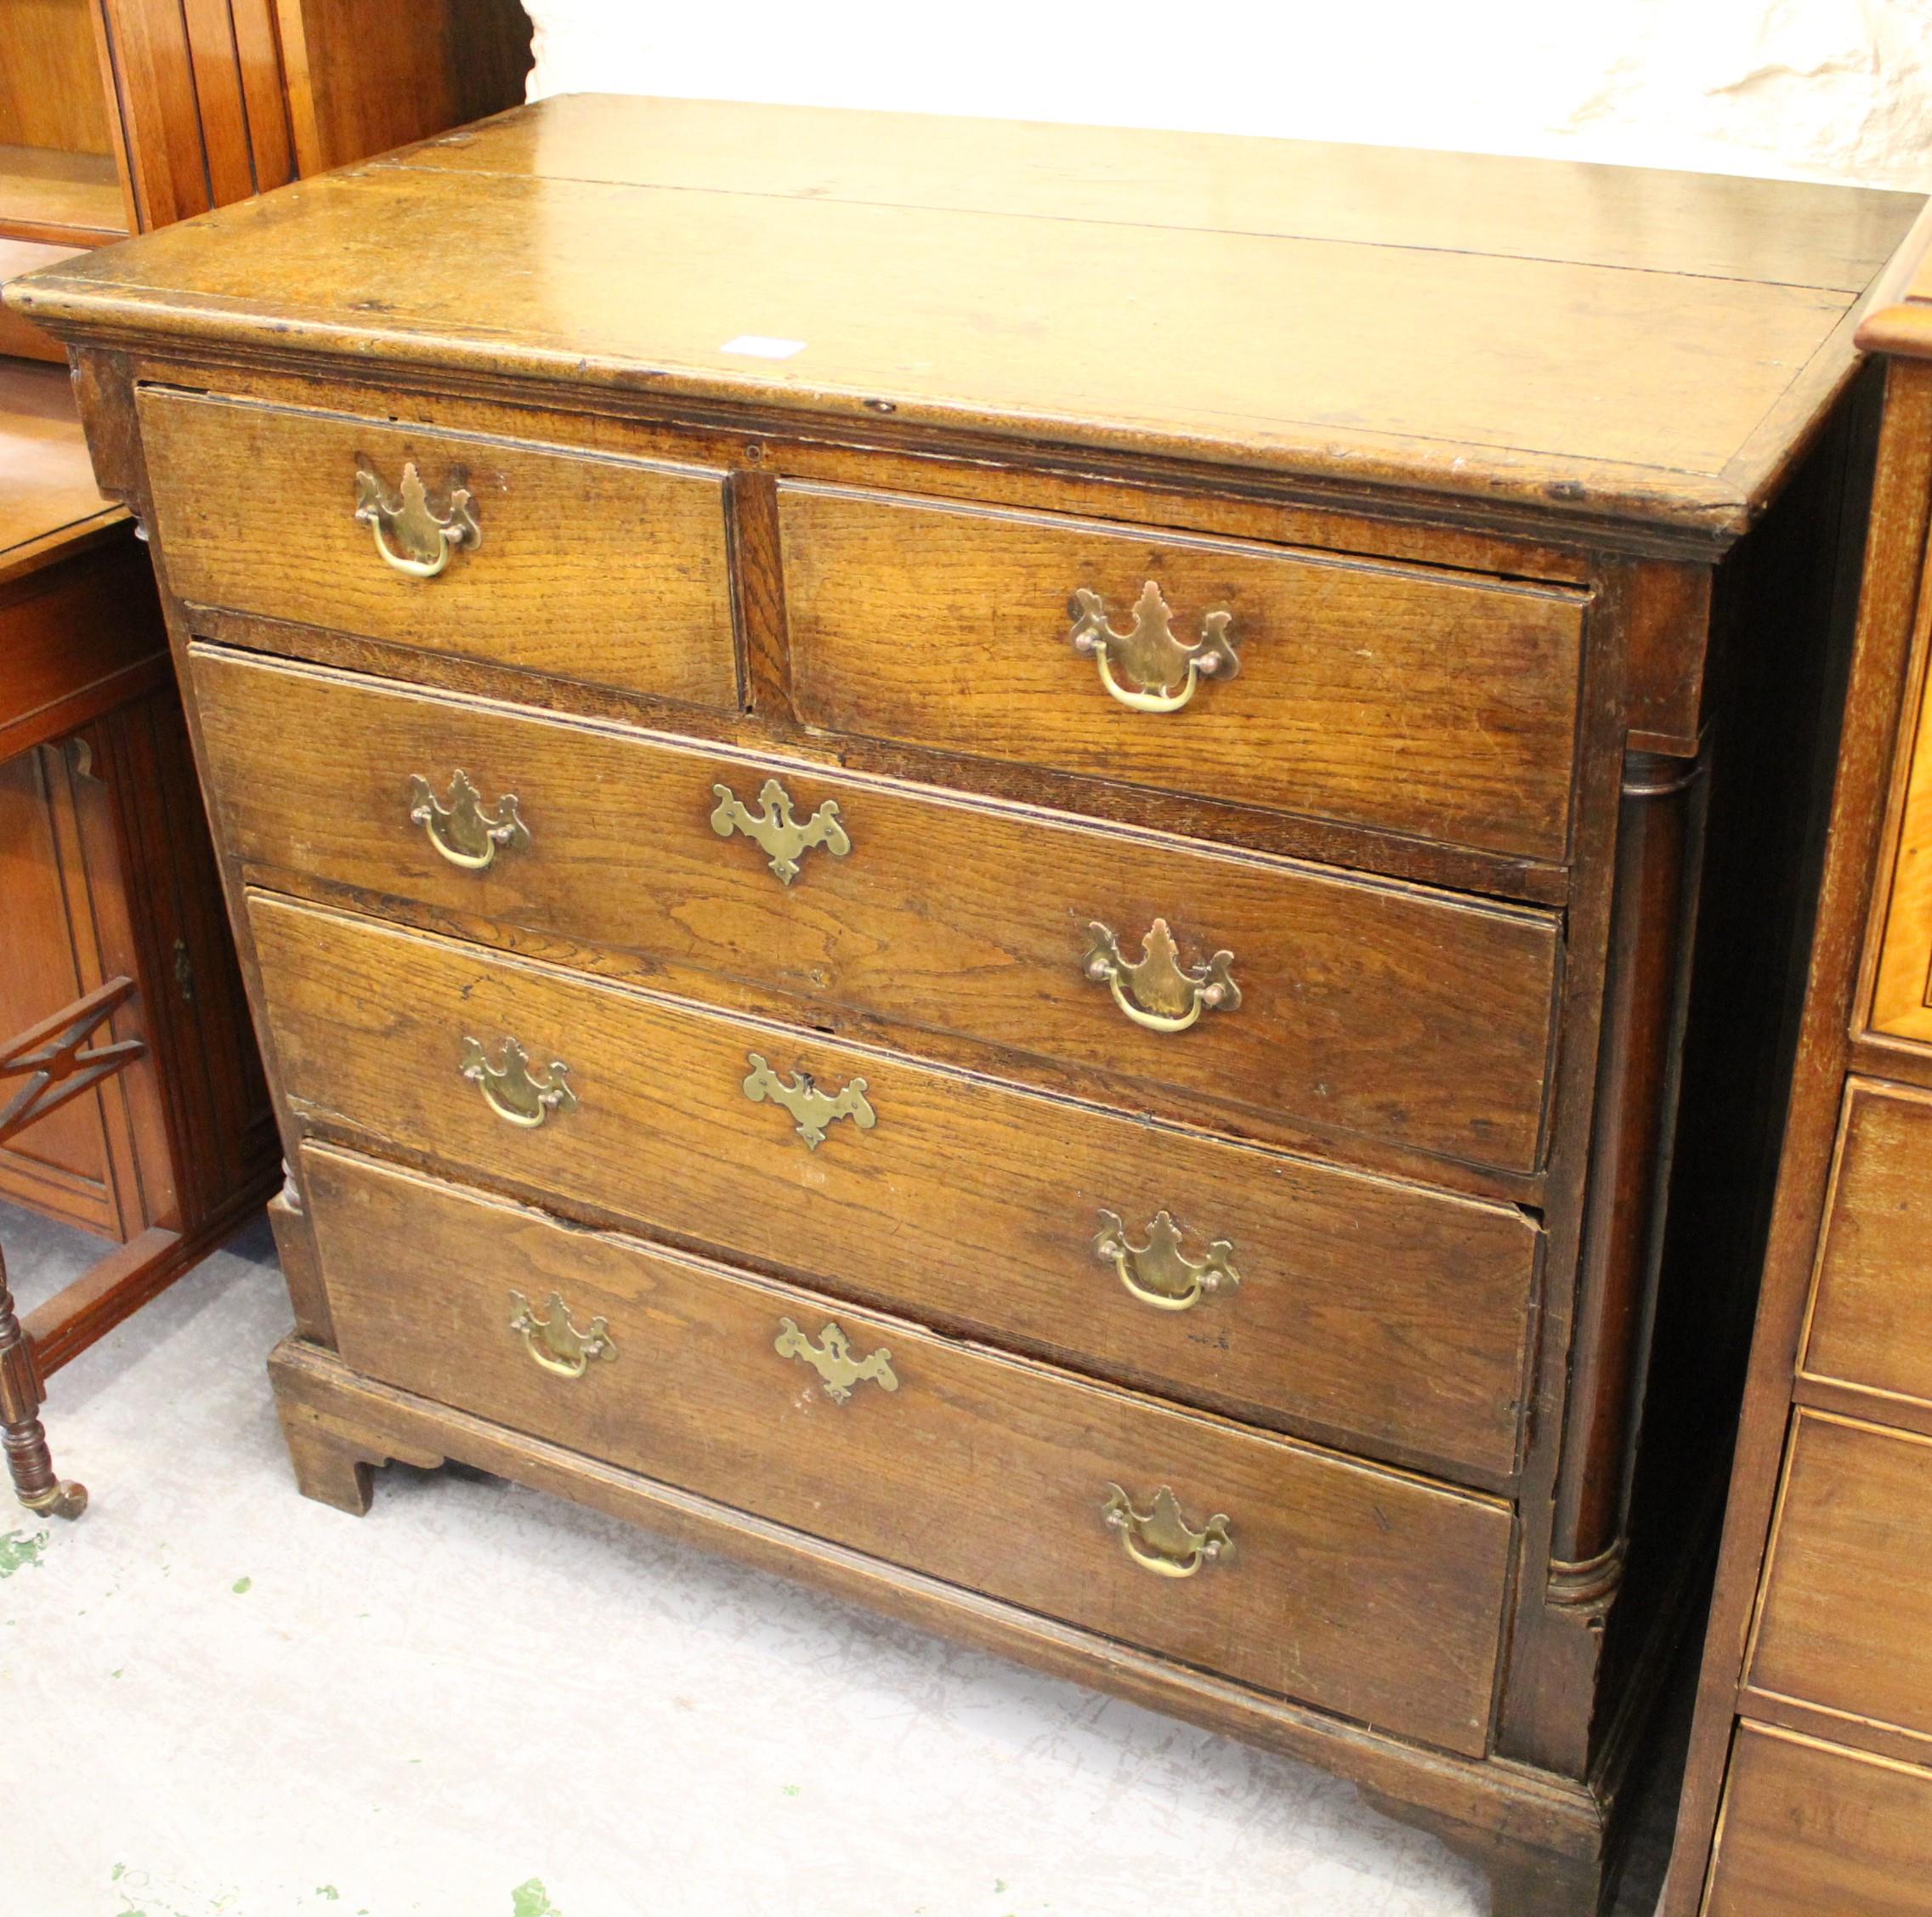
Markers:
761,346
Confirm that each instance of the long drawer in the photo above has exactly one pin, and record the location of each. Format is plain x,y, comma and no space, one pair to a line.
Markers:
572,564
1871,1320
1421,701
1370,1593
1810,1830
1845,1616
1351,1305
1387,1010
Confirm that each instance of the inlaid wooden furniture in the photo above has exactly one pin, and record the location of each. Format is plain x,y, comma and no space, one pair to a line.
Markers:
970,855
1810,1785
114,945
116,116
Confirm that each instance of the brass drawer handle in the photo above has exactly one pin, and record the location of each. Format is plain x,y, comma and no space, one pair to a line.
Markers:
831,1358
1158,1272
463,831
1165,672
1164,998
812,1109
1162,1540
512,1089
426,538
554,1341
777,834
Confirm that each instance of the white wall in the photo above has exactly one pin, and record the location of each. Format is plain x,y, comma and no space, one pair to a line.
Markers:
1827,89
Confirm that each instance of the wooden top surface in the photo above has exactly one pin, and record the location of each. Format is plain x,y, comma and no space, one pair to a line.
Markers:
48,494
1899,317
1640,344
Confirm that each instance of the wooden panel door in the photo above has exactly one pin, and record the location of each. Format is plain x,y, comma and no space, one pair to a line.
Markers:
65,926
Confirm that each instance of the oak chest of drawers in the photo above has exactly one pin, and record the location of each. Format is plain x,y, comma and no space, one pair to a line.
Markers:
990,861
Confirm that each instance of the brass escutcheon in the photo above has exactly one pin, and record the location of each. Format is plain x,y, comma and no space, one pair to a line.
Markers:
776,832
426,537
512,1089
1158,1272
1161,1540
1164,671
831,1358
1164,997
812,1109
463,831
554,1341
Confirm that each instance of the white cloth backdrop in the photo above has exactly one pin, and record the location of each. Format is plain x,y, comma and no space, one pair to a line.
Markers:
1826,90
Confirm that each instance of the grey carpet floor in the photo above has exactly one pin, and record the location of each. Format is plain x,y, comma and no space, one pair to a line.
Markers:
481,1702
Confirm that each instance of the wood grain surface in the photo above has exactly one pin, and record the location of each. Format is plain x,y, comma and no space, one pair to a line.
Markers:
1385,1311
1434,704
1490,370
1845,1619
1376,1008
1871,1320
47,484
1809,1828
607,571
1376,1595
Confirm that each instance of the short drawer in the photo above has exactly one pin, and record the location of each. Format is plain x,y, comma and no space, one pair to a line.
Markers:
1387,1010
1330,1301
607,571
1431,704
1299,1571
1872,1309
1845,1616
1808,1829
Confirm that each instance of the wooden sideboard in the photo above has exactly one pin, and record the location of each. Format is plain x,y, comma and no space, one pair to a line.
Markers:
1058,875
115,116
1810,1785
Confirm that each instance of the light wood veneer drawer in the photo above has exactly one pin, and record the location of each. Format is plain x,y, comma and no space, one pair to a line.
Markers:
1383,1009
1845,1617
1382,1311
1811,1830
1371,1593
1432,704
1871,1322
611,571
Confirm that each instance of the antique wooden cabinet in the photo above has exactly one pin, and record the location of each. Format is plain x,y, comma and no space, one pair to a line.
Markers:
1810,1785
116,115
992,861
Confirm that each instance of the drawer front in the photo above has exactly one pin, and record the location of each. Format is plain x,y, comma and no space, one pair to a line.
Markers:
1376,1595
1430,704
610,571
1872,1311
1375,1009
1845,1617
1355,1304
1811,1830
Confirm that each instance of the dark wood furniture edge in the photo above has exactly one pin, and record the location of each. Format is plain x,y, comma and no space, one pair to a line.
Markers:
1887,616
81,1313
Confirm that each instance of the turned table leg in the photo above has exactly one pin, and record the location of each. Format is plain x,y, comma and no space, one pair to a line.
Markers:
21,1432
